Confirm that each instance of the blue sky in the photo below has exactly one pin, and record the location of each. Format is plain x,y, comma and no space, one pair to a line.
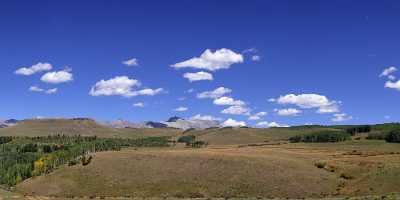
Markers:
328,54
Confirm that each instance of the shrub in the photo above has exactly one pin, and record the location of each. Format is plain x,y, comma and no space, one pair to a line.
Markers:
358,129
320,164
323,136
376,136
5,139
197,144
187,139
295,139
86,160
393,136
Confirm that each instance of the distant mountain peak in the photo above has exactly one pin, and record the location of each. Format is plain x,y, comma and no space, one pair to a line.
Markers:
11,121
156,125
174,119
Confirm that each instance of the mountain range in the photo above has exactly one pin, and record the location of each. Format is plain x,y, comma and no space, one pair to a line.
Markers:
173,122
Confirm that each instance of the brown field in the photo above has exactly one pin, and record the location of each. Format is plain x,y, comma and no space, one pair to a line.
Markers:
275,171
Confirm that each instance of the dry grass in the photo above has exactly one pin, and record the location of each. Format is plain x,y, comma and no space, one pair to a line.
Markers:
279,171
230,172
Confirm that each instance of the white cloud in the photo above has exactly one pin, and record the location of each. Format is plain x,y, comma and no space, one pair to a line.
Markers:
148,92
57,77
181,109
288,112
236,110
219,92
198,76
270,124
220,59
189,90
38,89
388,71
257,116
228,101
39,67
118,86
131,62
51,91
307,101
393,85
233,123
139,104
334,108
255,58
205,117
340,117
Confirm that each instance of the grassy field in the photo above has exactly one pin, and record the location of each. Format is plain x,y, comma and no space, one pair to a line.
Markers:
283,171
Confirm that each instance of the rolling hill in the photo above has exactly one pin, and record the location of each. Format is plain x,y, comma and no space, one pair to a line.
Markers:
79,126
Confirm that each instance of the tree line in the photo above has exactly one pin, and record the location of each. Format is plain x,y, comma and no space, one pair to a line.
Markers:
321,136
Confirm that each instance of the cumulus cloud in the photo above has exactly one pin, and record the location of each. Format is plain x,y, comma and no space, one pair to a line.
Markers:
38,89
257,116
121,86
228,101
288,112
139,104
181,109
388,71
35,89
212,61
39,67
236,110
118,86
340,117
233,123
271,100
393,85
219,92
334,108
198,76
266,124
189,90
131,62
205,118
57,77
307,101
